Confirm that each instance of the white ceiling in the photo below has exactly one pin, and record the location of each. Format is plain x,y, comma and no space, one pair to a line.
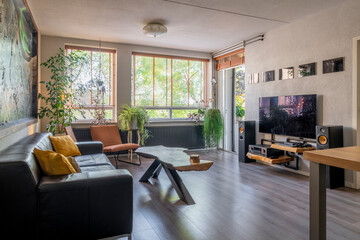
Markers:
199,25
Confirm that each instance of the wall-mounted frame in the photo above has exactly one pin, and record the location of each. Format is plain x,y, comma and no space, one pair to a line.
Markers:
255,78
308,69
249,79
18,67
286,73
269,76
333,65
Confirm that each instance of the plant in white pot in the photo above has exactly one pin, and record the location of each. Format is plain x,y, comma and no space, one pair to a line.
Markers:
134,118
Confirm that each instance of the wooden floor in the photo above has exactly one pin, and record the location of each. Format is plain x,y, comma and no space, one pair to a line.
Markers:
237,201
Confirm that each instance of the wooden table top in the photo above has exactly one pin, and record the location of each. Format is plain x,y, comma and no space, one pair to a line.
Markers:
346,157
173,158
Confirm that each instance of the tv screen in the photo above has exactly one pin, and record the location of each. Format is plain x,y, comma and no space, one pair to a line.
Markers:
288,115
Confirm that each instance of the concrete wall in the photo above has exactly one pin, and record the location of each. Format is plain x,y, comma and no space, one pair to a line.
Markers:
50,45
325,35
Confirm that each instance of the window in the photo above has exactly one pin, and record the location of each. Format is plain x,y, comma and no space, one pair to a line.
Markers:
168,87
100,65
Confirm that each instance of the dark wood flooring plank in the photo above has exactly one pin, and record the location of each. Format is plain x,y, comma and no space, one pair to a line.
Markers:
237,201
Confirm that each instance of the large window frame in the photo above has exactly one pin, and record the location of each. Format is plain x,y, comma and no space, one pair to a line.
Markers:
171,107
112,80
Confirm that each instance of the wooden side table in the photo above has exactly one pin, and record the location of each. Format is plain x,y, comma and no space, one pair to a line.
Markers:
347,158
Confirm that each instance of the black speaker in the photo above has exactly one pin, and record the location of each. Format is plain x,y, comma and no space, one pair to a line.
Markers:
247,137
331,137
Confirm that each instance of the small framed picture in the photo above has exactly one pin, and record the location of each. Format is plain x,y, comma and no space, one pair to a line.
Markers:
256,78
333,65
249,78
308,69
269,76
286,73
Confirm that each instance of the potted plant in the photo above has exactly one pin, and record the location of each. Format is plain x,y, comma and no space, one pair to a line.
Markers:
240,106
198,115
213,127
131,118
65,69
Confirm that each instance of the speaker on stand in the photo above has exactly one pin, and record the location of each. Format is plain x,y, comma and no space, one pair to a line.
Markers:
331,137
247,132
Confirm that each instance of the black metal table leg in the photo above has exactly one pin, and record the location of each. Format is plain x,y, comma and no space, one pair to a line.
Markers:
157,172
150,171
179,186
317,201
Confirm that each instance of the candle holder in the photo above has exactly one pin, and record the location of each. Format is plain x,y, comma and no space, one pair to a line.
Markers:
194,158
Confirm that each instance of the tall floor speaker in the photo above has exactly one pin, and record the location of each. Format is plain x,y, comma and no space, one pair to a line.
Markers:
247,137
331,137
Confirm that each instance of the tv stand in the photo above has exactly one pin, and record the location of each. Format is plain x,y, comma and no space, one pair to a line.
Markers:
291,152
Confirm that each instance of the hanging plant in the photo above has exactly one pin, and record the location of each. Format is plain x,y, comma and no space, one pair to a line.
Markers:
213,127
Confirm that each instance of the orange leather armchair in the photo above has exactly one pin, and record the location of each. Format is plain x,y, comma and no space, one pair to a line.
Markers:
109,135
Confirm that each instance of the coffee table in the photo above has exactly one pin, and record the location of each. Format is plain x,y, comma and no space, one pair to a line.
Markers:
172,160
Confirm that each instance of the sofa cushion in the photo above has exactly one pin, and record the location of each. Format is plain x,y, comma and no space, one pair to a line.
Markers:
92,160
97,168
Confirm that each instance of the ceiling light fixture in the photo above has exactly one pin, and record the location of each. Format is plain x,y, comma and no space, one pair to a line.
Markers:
154,29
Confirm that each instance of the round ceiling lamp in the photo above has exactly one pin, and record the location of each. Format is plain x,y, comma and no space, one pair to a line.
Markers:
154,29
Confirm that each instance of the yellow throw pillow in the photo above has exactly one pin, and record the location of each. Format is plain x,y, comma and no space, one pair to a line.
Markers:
53,163
74,164
65,145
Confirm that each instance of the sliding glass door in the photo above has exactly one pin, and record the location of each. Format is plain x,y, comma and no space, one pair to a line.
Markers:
231,102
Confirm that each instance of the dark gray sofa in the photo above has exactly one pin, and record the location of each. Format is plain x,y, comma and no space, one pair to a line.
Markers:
94,204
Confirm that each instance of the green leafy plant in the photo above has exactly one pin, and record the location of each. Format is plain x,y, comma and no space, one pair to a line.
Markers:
213,127
134,118
240,105
240,111
201,111
65,68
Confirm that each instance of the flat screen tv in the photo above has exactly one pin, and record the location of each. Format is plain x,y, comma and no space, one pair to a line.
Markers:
288,115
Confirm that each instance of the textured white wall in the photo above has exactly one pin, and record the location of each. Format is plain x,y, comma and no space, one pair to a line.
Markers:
325,35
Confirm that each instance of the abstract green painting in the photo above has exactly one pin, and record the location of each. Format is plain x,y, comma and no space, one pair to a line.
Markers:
18,63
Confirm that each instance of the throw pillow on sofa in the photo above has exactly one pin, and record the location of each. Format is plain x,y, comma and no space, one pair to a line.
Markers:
65,145
53,163
74,164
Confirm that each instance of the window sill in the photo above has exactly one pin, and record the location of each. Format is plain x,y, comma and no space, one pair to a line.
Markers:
152,123
84,124
173,122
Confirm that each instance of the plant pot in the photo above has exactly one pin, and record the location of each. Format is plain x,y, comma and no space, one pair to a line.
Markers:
133,124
